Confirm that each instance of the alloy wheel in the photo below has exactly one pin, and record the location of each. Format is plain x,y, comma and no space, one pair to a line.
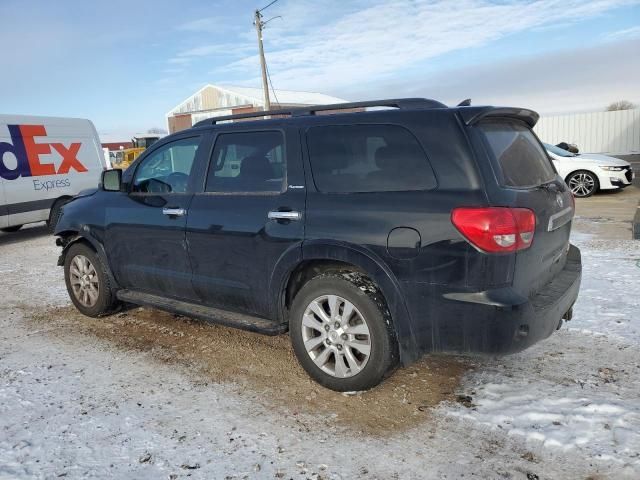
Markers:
336,336
84,281
582,184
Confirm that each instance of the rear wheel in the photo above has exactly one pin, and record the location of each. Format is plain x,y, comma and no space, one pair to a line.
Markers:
341,332
12,229
88,282
583,183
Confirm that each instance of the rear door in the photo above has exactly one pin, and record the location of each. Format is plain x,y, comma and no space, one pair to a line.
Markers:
249,217
145,226
525,177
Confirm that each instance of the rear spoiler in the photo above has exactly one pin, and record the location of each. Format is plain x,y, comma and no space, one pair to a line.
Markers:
472,115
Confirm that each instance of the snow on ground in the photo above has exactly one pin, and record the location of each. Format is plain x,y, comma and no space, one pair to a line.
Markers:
77,407
609,302
580,389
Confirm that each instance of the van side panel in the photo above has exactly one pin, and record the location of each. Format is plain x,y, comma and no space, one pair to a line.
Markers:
4,212
43,159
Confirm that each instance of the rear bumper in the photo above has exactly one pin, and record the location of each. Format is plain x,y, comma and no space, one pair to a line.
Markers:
498,321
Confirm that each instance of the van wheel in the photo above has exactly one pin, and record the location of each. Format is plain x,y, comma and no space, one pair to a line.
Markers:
583,183
55,213
88,282
341,332
15,228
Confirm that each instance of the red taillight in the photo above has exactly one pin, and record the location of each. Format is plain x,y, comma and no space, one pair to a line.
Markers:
496,229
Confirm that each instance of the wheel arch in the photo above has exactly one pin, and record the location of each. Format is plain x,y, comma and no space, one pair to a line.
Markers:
322,256
58,201
67,238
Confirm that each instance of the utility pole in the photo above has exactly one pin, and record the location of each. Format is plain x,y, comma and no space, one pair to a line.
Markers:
263,65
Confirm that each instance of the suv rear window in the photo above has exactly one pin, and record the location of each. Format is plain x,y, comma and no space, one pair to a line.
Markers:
367,158
520,159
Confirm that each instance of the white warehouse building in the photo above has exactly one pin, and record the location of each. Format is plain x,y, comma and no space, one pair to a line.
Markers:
614,133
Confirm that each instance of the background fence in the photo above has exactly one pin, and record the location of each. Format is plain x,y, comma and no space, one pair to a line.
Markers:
597,132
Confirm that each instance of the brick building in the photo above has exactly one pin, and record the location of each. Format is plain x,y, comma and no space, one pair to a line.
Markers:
215,101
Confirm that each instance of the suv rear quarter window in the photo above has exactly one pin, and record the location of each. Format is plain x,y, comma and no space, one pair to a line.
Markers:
519,158
367,158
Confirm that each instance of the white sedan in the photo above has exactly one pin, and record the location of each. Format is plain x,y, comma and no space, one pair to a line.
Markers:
586,173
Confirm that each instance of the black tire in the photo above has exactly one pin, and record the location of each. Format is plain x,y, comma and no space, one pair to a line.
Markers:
583,183
55,213
15,228
369,303
106,300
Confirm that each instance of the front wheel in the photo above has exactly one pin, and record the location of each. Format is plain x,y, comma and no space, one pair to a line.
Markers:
583,183
88,282
341,332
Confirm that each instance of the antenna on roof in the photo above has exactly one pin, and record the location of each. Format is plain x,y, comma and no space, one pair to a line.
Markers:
465,103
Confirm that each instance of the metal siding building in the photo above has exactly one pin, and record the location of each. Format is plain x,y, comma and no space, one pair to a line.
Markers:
615,132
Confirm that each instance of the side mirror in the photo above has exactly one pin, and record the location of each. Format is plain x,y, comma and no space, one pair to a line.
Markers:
111,180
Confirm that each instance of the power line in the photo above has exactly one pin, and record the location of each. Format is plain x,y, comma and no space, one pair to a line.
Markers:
264,8
271,83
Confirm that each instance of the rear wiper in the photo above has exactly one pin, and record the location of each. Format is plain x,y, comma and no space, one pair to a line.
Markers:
549,187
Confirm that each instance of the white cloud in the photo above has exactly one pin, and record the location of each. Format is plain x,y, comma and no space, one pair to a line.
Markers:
216,49
205,24
633,32
382,40
179,60
565,81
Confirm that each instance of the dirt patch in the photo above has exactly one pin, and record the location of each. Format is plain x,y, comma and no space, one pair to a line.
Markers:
265,368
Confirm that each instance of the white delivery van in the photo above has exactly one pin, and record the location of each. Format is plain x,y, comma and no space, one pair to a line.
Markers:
44,161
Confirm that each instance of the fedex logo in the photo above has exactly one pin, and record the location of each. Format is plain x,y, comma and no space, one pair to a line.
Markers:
28,150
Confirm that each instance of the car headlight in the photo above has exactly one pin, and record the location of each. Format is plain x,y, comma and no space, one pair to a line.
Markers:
612,169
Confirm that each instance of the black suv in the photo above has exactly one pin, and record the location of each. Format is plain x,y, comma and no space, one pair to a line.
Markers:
371,235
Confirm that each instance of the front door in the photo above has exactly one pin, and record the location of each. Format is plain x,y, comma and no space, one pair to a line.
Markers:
145,237
249,217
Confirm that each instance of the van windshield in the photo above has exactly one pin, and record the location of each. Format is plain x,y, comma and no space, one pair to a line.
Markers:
519,159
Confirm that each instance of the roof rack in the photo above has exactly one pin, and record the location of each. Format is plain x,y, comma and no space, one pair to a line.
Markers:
400,103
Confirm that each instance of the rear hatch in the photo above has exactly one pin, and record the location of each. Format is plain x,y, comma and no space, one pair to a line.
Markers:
526,178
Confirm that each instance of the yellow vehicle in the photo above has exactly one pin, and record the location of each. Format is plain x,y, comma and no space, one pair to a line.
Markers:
126,156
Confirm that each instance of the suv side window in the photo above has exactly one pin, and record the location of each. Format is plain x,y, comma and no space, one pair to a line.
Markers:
247,162
367,158
167,169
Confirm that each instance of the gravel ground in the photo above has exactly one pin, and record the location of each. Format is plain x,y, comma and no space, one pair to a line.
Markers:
144,394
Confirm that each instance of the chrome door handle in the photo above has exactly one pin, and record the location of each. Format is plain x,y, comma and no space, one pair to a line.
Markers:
276,215
174,212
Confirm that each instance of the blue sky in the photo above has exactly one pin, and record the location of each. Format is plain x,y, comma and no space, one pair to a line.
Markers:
124,64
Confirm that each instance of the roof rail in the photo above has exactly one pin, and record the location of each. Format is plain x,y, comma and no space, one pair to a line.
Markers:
400,103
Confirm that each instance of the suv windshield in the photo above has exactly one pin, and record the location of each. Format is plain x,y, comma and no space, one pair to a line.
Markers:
561,152
518,156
